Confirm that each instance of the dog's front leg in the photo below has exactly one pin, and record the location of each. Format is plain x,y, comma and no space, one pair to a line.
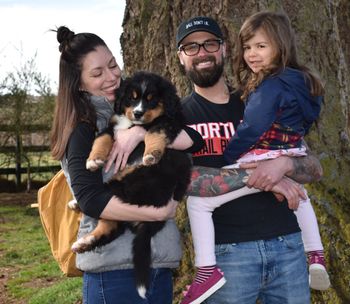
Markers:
105,232
99,153
155,144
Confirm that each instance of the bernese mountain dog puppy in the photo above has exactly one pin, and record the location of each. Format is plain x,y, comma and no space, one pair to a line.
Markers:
154,173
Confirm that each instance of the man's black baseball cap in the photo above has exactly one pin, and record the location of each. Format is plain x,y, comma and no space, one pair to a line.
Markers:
197,24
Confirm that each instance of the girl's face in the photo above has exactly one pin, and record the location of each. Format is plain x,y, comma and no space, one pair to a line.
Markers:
258,51
100,75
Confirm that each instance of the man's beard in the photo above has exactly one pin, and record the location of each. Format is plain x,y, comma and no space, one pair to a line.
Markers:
206,78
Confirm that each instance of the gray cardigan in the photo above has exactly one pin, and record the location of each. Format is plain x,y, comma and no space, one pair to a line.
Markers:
166,244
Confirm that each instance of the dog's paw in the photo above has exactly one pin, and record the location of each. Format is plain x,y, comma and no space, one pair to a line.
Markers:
148,160
73,205
94,164
83,244
152,158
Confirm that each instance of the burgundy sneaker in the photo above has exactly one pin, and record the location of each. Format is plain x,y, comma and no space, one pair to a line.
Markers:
318,276
197,293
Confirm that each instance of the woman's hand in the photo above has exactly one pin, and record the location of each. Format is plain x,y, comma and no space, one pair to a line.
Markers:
168,211
290,190
125,142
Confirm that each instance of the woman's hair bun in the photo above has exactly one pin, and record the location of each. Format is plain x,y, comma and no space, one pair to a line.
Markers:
64,35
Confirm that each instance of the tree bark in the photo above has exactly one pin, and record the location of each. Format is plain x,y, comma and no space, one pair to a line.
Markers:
148,43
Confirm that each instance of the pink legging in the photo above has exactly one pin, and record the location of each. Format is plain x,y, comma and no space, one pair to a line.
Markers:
200,211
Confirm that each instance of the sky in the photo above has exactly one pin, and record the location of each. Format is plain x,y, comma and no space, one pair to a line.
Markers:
25,30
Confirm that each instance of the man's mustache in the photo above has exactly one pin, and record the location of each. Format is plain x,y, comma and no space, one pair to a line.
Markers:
203,59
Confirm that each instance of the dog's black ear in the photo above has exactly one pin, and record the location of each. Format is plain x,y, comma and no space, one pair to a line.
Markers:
172,104
120,96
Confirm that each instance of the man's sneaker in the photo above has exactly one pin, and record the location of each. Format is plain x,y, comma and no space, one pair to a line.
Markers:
197,293
318,276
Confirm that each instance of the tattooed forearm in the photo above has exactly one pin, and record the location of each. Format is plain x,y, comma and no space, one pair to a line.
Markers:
306,169
207,182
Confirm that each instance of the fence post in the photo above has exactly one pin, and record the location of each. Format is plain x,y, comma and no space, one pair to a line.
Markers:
18,161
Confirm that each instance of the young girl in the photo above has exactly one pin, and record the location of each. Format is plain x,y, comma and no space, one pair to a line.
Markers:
283,99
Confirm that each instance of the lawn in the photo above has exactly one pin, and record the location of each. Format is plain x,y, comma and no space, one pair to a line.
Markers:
28,272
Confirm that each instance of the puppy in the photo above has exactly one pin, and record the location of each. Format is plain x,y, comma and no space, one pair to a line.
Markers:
154,173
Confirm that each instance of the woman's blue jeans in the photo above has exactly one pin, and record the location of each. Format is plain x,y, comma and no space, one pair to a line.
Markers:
118,287
273,271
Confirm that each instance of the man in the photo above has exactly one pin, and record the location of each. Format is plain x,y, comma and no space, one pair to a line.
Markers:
258,241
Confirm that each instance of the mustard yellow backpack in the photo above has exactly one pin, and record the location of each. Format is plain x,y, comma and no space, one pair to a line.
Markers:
60,223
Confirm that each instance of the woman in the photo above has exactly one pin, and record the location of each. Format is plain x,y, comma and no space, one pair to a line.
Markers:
88,78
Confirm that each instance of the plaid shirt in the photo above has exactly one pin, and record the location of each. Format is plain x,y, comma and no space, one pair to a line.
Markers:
279,137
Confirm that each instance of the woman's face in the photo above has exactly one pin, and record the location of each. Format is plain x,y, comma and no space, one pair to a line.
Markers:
258,52
100,75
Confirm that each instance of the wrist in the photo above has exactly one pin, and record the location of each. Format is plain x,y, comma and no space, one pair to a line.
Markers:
289,165
139,132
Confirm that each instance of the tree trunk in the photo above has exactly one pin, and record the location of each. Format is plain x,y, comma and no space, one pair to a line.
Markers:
322,26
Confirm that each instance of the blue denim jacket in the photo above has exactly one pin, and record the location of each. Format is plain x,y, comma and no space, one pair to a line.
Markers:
284,99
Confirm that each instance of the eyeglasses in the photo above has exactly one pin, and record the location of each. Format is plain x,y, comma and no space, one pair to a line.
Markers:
210,46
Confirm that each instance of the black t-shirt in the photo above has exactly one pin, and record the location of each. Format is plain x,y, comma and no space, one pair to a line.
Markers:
252,217
88,187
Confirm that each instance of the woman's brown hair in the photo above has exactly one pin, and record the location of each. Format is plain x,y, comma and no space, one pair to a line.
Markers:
72,104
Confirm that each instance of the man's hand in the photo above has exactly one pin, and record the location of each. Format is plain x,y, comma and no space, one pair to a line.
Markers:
125,141
290,190
268,173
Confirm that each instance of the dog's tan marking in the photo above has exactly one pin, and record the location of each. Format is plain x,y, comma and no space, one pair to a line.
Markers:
114,119
121,174
99,152
134,94
129,113
104,227
151,115
155,144
149,97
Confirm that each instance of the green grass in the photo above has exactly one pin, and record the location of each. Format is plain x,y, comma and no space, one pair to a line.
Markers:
34,276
